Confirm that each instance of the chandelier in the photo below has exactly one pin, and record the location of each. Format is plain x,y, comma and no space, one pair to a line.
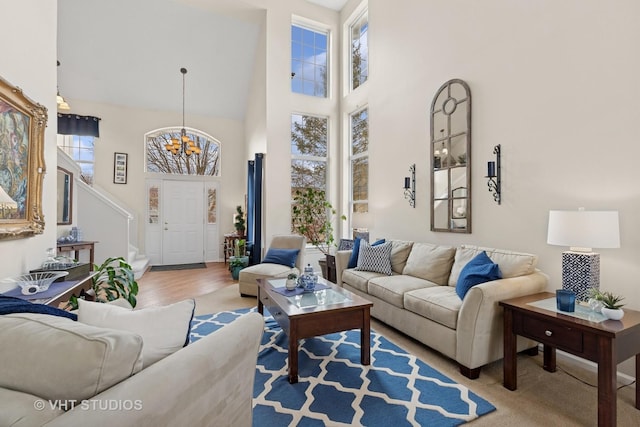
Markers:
184,143
62,103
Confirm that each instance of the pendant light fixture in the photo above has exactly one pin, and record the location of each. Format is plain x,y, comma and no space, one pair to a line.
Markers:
184,144
62,104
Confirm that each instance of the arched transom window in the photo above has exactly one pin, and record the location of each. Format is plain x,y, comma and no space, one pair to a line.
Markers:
160,160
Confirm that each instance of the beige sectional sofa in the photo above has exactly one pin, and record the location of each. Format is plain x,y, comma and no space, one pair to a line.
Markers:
420,299
60,372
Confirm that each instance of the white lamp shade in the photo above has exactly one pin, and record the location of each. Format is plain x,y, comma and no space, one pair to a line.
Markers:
584,229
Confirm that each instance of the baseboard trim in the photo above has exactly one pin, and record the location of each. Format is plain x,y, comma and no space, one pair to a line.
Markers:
589,365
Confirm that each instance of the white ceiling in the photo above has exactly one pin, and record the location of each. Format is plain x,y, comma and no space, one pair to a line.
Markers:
331,4
126,52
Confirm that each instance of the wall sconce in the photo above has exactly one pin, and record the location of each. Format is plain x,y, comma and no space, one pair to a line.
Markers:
410,186
493,174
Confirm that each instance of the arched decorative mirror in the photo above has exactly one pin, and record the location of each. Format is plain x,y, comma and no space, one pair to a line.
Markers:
65,196
451,158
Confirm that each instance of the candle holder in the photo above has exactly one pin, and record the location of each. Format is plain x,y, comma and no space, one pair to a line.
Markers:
493,174
410,186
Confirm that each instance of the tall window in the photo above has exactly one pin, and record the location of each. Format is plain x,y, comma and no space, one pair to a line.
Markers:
162,161
80,149
359,50
308,152
308,61
360,160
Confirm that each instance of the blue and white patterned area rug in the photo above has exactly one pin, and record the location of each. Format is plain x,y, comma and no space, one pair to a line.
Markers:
334,389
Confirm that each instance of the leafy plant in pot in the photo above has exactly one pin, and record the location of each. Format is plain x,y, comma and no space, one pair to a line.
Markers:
239,222
239,260
611,304
292,281
112,280
312,216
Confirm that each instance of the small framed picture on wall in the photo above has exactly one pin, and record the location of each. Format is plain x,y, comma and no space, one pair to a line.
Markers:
120,168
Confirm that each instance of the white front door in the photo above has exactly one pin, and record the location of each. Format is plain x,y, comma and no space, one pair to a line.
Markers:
183,222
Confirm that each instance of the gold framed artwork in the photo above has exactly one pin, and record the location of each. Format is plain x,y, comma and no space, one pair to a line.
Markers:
120,168
22,125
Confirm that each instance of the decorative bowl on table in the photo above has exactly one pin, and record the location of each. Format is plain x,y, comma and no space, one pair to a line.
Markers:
33,283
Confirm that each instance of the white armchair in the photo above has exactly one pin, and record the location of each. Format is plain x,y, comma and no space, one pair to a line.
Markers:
248,276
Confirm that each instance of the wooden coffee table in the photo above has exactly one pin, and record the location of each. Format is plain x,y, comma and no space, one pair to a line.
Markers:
318,313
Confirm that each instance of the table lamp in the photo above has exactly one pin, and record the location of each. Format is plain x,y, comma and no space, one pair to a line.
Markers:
582,230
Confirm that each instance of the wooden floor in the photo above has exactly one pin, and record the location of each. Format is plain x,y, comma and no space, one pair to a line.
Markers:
156,288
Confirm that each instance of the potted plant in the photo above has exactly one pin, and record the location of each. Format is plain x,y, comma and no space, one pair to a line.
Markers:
612,308
239,260
606,303
239,221
292,281
112,280
312,217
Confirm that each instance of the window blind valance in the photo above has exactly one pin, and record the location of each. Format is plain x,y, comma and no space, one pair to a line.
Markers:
73,124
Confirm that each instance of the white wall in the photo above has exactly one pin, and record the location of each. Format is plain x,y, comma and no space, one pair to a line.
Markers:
554,82
29,62
255,119
281,103
122,130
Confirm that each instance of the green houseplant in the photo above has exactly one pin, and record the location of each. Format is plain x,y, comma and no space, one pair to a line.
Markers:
312,216
112,280
239,221
611,303
239,260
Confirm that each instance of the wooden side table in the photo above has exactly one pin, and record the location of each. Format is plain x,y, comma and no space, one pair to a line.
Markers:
331,268
76,247
229,244
607,343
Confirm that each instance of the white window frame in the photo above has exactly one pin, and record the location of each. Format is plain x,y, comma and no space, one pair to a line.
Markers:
353,157
307,24
68,142
324,159
361,12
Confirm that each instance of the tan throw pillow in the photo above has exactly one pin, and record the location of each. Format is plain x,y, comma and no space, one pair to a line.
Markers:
399,253
430,262
164,330
512,264
56,358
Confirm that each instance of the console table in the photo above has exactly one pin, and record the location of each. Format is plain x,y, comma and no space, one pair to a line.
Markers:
607,342
76,247
59,292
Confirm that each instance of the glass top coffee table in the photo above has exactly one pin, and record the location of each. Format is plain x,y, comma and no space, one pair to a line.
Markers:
327,310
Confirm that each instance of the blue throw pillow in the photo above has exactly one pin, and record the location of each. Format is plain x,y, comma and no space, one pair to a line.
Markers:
10,305
353,260
479,270
281,256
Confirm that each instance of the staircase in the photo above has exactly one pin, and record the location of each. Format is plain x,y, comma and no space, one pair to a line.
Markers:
138,262
107,221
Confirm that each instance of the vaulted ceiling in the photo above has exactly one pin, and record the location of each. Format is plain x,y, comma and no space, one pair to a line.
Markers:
129,53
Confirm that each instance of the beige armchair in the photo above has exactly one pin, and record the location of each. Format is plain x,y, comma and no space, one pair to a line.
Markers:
248,276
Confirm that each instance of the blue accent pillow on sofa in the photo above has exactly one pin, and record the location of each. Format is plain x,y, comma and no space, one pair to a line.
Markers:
10,305
479,270
353,260
281,256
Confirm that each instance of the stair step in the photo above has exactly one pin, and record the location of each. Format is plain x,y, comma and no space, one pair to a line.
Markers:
140,266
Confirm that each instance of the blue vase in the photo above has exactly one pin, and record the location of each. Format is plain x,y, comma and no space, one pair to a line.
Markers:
308,279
